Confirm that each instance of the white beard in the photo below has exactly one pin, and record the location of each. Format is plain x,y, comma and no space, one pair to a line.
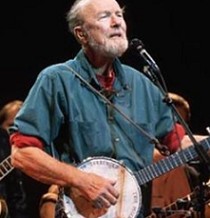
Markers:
111,47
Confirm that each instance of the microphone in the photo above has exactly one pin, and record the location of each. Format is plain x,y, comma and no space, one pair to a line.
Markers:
138,45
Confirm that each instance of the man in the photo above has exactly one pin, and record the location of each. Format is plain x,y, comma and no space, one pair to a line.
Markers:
83,108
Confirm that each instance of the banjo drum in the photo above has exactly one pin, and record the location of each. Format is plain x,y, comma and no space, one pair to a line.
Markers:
130,198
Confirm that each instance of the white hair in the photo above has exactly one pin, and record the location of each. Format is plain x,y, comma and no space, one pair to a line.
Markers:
73,15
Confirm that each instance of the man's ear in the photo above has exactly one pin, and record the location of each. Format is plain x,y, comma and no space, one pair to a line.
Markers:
80,34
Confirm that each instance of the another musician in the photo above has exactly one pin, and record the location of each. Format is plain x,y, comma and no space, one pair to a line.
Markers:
11,184
83,108
166,189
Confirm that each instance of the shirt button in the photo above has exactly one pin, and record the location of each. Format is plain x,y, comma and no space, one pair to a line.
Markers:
117,139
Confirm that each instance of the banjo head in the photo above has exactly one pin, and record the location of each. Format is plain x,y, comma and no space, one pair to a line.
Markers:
130,199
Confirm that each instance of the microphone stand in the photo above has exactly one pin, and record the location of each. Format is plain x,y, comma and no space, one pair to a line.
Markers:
204,163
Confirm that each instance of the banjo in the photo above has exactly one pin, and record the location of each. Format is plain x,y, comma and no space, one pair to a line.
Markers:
128,184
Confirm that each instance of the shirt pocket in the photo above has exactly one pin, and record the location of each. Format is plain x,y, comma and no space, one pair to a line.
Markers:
94,138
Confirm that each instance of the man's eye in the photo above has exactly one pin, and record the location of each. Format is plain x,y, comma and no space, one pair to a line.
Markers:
119,14
102,16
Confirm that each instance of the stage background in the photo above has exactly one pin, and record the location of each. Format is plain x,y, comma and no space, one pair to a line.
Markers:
34,35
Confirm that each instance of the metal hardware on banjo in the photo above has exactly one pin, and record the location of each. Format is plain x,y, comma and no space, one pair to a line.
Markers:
128,184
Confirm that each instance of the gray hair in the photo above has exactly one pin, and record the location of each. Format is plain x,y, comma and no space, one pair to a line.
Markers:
73,17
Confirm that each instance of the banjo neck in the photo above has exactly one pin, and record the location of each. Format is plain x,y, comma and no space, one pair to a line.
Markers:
169,163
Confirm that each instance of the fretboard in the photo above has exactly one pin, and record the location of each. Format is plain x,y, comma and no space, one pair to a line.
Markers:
169,163
5,167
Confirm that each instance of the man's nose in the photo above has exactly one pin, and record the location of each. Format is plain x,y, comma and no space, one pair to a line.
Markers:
115,21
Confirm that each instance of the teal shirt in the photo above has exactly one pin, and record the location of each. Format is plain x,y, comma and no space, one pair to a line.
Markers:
62,110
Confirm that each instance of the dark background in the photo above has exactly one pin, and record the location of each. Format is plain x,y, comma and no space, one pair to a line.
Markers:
34,35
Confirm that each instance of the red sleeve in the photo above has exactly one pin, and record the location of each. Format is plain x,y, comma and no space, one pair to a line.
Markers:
173,139
21,141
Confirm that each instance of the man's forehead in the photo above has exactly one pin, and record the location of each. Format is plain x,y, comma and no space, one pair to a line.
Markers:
97,6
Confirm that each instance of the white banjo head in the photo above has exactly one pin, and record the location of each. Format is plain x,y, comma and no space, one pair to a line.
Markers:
130,199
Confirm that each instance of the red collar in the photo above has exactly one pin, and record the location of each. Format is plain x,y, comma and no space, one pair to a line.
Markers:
106,81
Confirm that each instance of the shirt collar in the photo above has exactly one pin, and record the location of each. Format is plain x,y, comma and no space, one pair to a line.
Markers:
87,71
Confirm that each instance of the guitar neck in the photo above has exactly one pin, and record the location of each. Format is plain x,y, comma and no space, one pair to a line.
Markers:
169,163
5,167
176,206
171,210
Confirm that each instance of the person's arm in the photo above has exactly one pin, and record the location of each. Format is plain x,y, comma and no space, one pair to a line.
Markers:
186,141
44,168
39,165
178,139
